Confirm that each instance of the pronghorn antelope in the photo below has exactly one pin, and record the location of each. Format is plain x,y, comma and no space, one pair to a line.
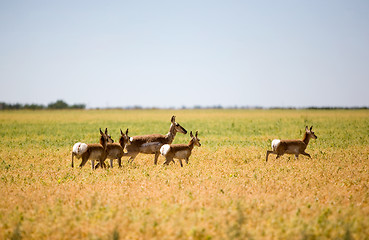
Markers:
94,151
79,148
296,147
109,140
151,144
115,150
179,151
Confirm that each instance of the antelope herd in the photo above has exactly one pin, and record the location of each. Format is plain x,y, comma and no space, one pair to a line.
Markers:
162,144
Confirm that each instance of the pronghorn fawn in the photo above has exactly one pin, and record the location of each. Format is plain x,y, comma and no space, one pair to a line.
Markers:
151,144
179,151
94,151
116,150
296,147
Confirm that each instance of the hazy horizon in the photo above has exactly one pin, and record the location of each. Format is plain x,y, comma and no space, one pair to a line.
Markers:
174,54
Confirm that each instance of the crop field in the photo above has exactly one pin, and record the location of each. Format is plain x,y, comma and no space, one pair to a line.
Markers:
227,191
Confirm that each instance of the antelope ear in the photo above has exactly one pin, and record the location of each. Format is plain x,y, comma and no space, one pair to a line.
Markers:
191,134
306,128
173,119
121,132
127,132
101,132
311,128
106,131
196,134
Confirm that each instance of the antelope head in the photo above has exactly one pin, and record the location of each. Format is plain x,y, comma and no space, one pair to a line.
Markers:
177,127
195,139
124,138
310,133
103,139
108,137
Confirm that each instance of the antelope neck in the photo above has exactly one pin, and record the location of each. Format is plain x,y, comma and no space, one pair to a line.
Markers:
306,138
103,142
191,144
121,142
171,134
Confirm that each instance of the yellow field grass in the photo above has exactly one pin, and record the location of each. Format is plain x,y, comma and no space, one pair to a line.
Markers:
227,191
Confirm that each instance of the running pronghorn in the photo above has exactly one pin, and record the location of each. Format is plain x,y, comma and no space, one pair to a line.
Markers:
94,151
296,147
151,144
115,150
179,151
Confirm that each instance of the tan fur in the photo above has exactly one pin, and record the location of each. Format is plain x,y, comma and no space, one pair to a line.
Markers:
95,151
151,144
108,140
295,147
182,151
115,150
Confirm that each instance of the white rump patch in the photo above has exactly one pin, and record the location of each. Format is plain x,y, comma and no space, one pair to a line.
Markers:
164,149
75,147
79,148
131,139
275,144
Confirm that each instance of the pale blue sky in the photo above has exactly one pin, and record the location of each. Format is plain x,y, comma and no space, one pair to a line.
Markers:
185,53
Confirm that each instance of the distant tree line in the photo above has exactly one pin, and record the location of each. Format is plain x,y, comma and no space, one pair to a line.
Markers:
59,104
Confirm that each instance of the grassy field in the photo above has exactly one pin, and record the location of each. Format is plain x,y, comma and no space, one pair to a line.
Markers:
227,191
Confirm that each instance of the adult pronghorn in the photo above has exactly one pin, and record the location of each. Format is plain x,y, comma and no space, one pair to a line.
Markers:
151,144
179,151
115,150
80,148
296,147
94,151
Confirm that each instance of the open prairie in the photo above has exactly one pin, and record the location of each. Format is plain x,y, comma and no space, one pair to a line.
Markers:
227,191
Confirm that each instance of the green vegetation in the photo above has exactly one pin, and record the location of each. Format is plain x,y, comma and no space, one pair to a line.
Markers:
226,192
